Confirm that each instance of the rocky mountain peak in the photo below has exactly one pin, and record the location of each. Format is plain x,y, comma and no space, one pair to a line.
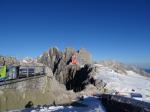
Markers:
8,60
65,70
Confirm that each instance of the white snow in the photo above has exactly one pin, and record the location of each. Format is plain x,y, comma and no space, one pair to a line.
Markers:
124,83
89,104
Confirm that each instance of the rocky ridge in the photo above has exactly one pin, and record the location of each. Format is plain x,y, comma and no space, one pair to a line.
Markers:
63,77
74,76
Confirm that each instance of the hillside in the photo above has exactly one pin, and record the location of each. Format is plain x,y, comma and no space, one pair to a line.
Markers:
123,83
122,68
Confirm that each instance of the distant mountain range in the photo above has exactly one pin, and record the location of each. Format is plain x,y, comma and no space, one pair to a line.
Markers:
123,68
142,65
83,57
147,70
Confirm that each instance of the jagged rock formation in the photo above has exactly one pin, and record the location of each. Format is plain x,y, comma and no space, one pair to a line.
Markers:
76,78
73,76
84,57
53,57
61,81
5,60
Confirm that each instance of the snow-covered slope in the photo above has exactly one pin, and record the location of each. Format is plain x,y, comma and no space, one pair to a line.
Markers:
124,83
122,68
29,61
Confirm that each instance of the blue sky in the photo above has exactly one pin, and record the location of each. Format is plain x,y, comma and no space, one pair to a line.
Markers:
109,29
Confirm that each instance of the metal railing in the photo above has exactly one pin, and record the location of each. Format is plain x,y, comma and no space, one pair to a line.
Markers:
22,73
28,71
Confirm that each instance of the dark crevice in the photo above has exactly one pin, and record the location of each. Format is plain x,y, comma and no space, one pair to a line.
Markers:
80,79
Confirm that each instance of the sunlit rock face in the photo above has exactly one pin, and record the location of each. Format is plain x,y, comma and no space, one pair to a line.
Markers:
74,76
40,90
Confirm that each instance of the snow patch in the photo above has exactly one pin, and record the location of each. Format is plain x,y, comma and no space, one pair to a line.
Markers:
124,83
88,104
